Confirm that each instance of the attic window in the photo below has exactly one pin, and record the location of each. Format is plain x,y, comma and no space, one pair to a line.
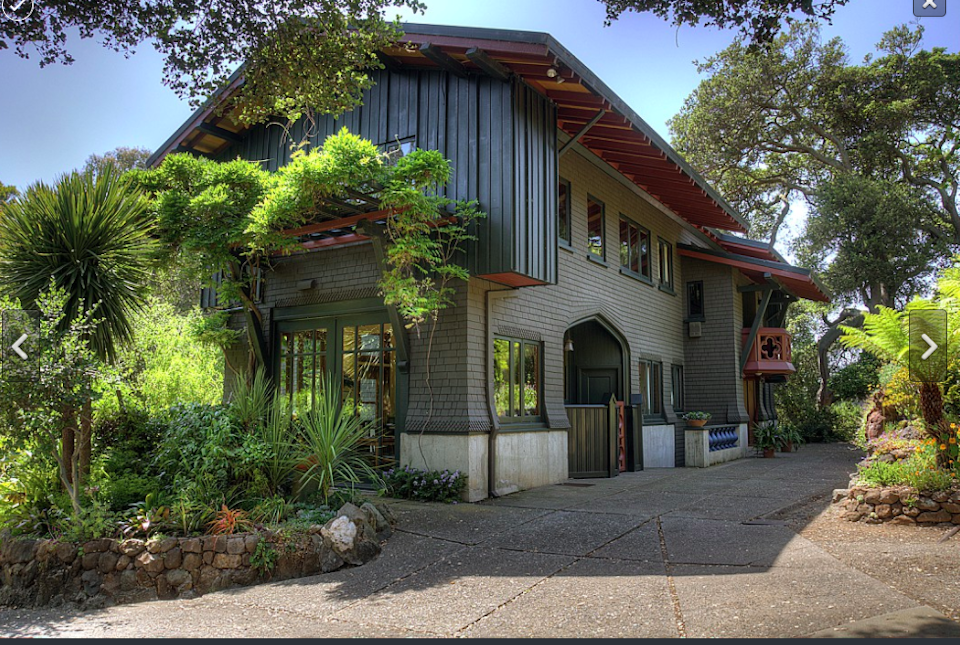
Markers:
398,148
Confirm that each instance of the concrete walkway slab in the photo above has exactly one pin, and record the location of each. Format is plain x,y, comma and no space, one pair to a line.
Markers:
589,599
454,593
566,532
758,602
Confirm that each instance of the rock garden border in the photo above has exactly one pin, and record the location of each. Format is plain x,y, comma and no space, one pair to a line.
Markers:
898,505
98,573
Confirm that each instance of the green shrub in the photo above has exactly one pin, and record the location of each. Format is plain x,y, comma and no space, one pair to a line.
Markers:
856,381
122,491
332,438
425,485
163,365
264,557
915,473
847,421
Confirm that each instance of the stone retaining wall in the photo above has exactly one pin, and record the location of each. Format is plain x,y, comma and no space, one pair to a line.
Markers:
898,505
48,573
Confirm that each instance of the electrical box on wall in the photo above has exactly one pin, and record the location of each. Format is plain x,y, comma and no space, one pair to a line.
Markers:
695,329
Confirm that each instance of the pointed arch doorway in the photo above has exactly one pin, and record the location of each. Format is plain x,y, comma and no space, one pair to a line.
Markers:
595,379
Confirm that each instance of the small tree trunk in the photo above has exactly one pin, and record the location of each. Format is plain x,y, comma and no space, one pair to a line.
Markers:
931,408
86,439
67,443
69,458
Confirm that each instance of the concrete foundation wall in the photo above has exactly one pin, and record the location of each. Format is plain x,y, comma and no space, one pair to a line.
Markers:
464,452
530,459
659,446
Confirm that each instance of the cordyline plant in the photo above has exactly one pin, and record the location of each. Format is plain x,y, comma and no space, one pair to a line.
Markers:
234,217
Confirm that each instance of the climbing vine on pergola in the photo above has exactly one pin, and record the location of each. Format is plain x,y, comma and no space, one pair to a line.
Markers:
233,218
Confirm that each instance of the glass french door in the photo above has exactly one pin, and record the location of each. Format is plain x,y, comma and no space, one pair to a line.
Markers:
359,353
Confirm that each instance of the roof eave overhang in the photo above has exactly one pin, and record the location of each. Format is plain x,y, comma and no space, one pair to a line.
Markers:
815,290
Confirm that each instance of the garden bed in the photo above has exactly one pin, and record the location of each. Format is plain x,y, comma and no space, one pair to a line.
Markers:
97,573
898,505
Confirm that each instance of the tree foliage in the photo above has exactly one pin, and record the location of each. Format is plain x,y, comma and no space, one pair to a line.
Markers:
759,20
37,411
873,240
769,127
122,159
298,54
7,193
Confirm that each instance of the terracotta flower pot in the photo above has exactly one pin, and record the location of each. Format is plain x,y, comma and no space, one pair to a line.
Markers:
697,423
769,453
788,447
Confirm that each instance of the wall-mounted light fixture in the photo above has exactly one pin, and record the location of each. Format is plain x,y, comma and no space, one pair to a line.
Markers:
569,346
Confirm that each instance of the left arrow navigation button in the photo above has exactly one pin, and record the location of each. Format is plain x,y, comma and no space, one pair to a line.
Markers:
20,349
16,346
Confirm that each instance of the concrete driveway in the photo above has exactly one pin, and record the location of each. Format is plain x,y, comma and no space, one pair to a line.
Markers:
661,553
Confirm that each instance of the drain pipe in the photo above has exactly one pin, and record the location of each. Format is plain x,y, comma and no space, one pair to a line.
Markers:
490,296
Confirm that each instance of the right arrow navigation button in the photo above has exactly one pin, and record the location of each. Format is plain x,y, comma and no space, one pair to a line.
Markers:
933,347
928,345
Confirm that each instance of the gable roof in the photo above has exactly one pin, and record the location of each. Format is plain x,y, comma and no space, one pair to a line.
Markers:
588,111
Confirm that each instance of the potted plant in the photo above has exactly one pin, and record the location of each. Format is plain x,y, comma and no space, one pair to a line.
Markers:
767,438
792,439
697,419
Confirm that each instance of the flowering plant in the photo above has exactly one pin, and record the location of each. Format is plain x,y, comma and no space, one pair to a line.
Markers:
697,416
424,485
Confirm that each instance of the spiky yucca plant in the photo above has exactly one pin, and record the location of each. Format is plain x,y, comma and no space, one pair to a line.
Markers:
332,439
92,236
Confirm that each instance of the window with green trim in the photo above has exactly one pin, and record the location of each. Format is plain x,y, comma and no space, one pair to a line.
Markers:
665,264
676,388
517,380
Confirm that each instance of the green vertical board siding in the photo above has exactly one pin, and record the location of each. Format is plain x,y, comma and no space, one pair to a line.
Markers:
500,138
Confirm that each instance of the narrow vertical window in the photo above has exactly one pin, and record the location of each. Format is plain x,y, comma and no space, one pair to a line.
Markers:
595,228
695,310
634,248
651,387
665,263
564,228
517,379
676,390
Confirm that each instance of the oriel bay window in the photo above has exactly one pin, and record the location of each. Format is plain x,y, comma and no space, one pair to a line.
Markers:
517,379
634,249
595,228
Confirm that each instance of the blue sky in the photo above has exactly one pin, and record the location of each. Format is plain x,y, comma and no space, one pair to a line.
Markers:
53,118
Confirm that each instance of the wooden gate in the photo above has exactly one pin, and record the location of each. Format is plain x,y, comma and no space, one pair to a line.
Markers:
593,443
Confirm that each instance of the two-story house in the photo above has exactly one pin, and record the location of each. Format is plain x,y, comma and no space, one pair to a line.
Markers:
604,269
